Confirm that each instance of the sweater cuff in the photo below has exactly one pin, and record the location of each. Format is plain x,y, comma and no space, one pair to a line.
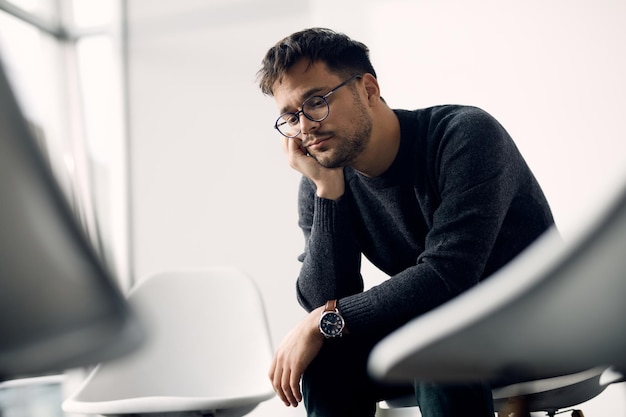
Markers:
357,313
325,211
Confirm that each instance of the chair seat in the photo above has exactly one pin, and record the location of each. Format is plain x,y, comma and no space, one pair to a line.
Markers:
166,404
547,395
208,349
554,394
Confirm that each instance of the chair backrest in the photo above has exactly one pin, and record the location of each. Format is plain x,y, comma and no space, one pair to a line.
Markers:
208,347
60,307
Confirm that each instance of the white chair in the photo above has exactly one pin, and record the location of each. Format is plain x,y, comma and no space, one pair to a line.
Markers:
555,310
550,396
208,350
60,306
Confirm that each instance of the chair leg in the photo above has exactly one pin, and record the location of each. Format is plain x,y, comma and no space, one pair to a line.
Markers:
410,411
514,407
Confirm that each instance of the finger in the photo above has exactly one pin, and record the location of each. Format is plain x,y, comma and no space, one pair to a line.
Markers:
286,144
295,387
286,387
294,145
274,374
277,384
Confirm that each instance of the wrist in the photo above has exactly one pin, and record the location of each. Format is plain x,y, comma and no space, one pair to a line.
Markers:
330,193
332,186
331,322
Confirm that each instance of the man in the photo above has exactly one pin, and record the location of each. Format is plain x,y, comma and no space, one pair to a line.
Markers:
438,198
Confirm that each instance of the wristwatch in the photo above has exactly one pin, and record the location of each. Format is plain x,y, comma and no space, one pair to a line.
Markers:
331,321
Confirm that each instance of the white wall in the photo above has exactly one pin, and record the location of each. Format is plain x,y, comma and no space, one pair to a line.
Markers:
209,180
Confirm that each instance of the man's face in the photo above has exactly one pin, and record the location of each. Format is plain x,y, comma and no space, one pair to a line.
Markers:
340,138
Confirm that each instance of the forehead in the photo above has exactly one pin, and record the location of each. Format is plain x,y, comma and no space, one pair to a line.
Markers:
302,81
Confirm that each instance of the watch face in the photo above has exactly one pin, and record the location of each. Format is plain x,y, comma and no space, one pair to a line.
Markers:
331,324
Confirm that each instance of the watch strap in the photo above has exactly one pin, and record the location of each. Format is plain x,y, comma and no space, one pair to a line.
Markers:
331,305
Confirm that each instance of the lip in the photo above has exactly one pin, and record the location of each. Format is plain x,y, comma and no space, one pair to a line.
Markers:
316,144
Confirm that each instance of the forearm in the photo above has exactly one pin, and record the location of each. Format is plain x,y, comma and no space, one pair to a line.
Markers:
331,260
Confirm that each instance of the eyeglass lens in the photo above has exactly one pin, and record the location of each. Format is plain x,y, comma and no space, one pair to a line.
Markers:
314,108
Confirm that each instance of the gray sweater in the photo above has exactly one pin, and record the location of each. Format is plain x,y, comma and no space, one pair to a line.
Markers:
457,203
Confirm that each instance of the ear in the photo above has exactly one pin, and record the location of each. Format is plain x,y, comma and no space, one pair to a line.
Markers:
371,88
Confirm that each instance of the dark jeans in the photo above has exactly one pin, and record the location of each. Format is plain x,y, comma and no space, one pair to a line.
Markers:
336,384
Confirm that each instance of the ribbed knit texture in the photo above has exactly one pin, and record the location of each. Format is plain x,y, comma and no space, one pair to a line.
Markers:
457,203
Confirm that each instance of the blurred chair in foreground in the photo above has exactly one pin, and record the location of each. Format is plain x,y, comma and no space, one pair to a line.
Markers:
554,311
60,306
207,354
550,396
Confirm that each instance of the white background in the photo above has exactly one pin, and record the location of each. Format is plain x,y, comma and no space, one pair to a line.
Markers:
209,181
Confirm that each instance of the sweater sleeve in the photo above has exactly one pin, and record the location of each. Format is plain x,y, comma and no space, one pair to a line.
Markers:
331,260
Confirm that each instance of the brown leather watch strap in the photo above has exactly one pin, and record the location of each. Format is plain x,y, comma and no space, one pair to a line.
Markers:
331,305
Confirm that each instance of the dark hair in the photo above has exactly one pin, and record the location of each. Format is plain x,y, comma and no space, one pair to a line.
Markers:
340,54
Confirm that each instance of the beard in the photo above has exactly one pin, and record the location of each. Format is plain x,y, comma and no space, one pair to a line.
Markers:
351,142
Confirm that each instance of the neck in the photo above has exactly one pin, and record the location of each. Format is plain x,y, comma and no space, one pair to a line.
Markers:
383,146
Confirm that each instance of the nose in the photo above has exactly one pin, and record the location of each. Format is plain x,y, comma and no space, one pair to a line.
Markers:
307,125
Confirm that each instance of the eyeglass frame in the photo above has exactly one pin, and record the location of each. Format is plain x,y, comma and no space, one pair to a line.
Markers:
301,111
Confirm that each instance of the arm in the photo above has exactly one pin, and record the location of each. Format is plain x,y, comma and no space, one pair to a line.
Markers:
331,261
331,264
326,230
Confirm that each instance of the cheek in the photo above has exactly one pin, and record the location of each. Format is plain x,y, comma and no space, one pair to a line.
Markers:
339,117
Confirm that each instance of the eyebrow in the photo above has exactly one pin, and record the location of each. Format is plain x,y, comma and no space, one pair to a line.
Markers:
306,95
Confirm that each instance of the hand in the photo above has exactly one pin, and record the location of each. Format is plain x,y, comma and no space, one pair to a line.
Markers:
329,181
293,356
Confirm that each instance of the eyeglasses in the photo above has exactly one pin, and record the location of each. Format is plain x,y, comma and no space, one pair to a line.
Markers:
314,108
